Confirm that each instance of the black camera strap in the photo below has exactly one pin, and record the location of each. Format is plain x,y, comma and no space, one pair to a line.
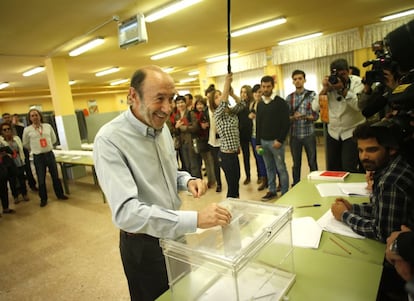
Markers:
302,100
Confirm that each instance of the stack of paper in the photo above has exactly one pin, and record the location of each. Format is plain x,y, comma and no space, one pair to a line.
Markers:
330,224
342,189
306,233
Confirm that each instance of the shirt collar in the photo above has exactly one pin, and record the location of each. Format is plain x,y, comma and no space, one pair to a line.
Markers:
142,128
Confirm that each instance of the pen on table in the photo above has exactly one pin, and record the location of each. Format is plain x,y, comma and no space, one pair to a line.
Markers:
307,206
351,244
341,246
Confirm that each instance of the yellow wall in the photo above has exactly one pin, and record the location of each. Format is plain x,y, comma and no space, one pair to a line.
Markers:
107,102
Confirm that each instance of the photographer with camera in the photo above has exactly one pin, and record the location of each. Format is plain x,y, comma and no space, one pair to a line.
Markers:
342,90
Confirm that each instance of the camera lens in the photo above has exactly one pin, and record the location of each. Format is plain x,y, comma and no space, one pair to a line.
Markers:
333,79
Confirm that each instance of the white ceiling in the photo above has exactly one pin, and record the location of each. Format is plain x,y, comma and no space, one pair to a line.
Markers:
33,30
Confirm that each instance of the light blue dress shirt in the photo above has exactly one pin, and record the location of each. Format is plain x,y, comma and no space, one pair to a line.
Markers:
138,172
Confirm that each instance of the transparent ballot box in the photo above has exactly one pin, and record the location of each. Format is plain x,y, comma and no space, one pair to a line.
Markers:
250,259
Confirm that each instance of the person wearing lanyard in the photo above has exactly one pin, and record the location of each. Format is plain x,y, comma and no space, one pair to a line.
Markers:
39,137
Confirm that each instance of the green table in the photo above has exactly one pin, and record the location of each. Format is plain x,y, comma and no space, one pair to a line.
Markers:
329,273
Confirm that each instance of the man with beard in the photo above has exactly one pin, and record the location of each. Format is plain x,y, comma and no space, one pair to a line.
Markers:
137,170
391,202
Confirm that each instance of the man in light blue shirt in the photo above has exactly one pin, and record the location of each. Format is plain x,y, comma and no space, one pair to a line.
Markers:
137,169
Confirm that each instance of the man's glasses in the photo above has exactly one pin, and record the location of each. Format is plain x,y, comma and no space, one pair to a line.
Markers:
5,129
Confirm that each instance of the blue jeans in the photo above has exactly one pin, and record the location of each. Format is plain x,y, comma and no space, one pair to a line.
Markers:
275,164
260,165
296,145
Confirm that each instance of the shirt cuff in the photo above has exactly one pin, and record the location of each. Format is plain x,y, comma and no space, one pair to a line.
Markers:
188,221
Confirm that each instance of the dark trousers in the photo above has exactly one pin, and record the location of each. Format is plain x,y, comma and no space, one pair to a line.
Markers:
245,147
231,166
28,169
17,181
296,146
144,266
215,154
4,195
342,154
41,162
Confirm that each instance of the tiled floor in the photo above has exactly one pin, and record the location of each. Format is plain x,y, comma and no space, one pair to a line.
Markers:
69,249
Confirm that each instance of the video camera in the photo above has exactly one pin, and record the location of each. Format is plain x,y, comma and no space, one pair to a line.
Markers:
395,53
383,60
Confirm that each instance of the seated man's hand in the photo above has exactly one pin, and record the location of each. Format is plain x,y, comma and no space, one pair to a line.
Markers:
338,208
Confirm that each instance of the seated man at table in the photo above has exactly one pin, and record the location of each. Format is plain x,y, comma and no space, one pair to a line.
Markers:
391,202
392,199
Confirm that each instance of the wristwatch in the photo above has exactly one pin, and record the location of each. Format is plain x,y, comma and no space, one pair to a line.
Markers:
394,247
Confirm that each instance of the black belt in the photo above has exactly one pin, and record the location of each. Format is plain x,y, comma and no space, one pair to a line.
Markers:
143,235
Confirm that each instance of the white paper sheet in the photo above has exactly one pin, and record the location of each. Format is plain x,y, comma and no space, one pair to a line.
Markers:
330,224
306,232
342,189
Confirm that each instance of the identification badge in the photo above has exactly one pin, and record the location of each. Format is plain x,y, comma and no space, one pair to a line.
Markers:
43,142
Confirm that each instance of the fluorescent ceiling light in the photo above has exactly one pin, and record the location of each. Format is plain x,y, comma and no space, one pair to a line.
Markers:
107,71
168,53
169,9
168,69
118,82
294,40
4,85
398,15
187,80
87,46
72,82
34,71
220,57
192,73
257,27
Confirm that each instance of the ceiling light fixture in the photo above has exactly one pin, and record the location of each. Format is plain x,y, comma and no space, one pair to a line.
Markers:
118,82
168,69
169,9
193,73
87,46
4,85
294,40
187,80
34,71
257,27
398,15
72,82
220,57
168,53
107,71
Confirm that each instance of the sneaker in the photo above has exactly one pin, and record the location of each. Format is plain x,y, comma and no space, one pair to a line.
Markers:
9,211
63,198
16,200
43,203
269,196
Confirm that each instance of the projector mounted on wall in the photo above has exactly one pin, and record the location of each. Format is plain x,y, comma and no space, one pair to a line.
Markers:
132,31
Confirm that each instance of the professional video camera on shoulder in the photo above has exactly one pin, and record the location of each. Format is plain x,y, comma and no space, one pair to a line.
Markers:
382,61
